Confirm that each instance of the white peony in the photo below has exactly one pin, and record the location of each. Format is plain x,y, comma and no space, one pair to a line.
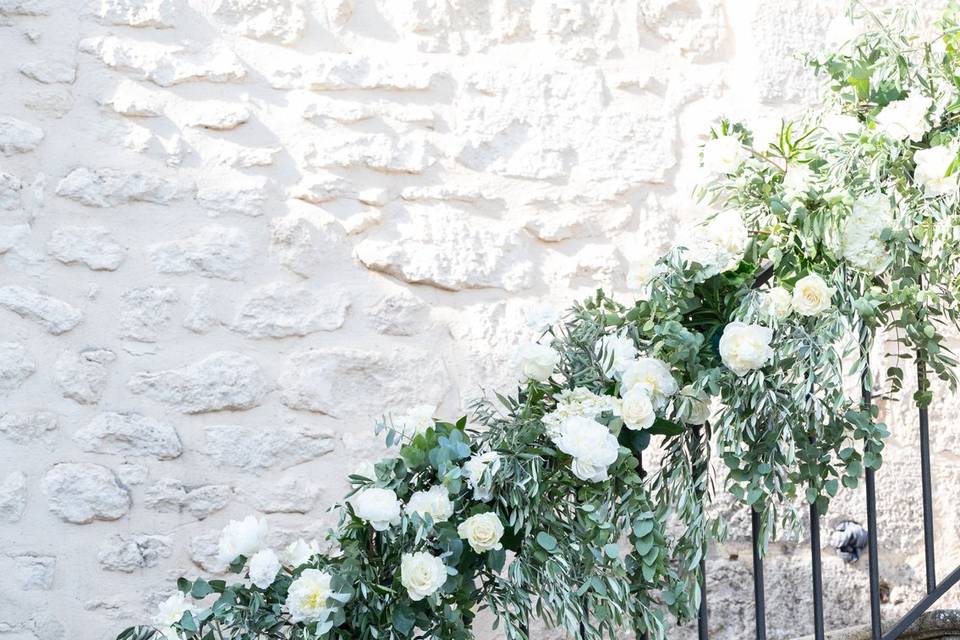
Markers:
651,375
723,154
591,445
636,409
170,611
422,574
745,347
905,119
860,243
242,538
474,470
264,567
618,352
435,501
931,171
416,421
727,231
699,403
483,531
308,598
536,361
379,507
777,303
299,552
811,295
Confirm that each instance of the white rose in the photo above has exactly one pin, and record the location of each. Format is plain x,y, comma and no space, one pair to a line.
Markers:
723,154
839,124
905,118
379,507
777,303
699,403
435,501
537,361
422,574
308,598
636,409
474,469
744,347
483,531
931,171
591,445
171,610
860,243
651,375
299,552
618,352
264,567
242,538
416,421
811,295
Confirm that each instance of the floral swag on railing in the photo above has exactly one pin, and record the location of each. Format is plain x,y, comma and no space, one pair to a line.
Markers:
838,230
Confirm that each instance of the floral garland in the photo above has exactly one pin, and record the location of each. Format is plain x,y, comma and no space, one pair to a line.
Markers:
847,214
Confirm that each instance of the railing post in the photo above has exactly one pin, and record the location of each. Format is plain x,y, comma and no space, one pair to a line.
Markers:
759,601
818,629
927,486
870,477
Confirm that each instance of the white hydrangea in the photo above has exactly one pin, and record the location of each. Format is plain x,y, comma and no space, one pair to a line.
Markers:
717,245
745,347
264,567
170,611
641,269
621,349
699,405
242,538
536,361
636,409
905,119
421,574
840,124
777,303
379,507
723,154
308,598
591,445
860,243
435,501
798,179
577,402
811,295
299,552
473,472
652,376
416,421
483,531
931,171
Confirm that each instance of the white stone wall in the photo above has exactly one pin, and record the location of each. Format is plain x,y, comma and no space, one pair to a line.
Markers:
234,232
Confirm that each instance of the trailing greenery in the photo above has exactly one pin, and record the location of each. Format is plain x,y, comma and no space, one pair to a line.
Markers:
581,498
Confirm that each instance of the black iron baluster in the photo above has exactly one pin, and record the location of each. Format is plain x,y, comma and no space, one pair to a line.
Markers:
702,633
818,630
927,486
759,602
921,607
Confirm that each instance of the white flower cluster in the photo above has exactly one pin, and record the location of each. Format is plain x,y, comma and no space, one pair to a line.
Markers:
422,573
861,244
723,155
536,361
933,165
905,119
575,403
416,421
